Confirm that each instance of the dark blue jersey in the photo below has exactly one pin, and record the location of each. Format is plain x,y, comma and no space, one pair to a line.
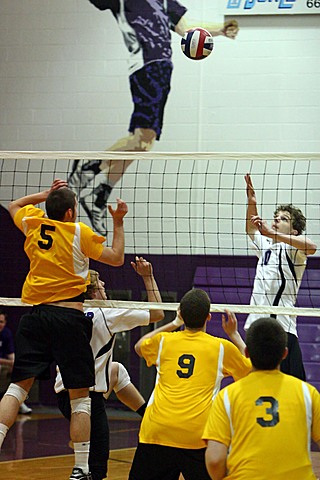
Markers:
146,27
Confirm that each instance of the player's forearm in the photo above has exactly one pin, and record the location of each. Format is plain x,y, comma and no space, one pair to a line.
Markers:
153,296
168,327
237,340
152,288
216,456
215,29
216,472
251,212
32,199
299,242
114,255
186,24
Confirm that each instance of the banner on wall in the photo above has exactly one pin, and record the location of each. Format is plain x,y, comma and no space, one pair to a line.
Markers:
270,7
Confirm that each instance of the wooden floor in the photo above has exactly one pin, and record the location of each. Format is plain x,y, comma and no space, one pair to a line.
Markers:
60,467
29,453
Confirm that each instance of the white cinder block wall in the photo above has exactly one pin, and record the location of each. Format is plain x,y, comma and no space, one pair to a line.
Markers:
64,82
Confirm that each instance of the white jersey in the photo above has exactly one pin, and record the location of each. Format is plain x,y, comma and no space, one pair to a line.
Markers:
106,323
278,277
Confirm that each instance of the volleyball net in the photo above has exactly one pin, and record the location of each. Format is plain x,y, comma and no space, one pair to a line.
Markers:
187,215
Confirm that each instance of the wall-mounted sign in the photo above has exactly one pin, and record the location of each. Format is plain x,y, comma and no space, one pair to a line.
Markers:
270,7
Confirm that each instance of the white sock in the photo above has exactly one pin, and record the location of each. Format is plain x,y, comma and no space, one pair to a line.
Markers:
3,432
81,452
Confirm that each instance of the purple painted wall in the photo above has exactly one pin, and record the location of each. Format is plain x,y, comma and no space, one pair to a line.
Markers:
174,273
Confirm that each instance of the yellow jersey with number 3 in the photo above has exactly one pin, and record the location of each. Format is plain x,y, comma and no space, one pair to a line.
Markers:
190,367
267,420
59,255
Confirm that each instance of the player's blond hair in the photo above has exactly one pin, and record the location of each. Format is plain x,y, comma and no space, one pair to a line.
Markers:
93,285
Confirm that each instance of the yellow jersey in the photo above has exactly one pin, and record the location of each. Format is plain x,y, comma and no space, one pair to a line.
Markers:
59,255
267,421
190,367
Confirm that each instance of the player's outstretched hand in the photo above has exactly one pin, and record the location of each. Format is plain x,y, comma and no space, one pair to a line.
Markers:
251,194
58,183
142,267
230,29
229,323
121,210
262,226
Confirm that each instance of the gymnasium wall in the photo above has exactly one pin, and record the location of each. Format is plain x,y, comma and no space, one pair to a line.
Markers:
64,82
64,86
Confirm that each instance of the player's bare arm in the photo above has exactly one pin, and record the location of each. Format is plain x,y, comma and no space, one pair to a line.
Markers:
168,327
144,268
300,242
229,29
114,255
35,198
252,210
216,459
230,327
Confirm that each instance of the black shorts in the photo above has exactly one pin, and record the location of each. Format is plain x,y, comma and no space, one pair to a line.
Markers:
157,462
293,364
54,334
150,87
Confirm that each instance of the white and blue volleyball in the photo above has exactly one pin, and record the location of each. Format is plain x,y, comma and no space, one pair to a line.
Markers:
197,43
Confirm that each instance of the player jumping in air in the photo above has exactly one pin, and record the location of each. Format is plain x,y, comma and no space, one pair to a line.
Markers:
146,28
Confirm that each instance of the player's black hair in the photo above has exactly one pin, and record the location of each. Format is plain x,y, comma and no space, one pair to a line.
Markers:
58,202
266,341
297,218
195,308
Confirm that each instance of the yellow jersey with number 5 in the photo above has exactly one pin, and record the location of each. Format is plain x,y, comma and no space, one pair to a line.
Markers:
267,421
59,255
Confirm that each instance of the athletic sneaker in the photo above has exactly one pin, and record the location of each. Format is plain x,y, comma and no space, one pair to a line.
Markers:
77,474
82,174
95,205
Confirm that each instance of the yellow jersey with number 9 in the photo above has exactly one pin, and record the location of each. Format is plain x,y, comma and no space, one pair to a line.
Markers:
190,368
59,255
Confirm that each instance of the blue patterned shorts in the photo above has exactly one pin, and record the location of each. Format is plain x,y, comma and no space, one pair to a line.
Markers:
150,87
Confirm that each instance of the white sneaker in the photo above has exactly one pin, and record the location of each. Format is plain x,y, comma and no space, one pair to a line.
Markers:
24,409
82,174
96,206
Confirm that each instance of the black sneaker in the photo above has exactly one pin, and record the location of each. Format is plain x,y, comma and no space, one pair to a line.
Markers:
77,474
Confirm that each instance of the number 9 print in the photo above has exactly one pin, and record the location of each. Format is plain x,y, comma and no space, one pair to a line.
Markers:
186,362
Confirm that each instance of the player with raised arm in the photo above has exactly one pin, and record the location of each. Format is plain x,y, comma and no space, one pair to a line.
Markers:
57,330
146,28
107,322
282,251
260,428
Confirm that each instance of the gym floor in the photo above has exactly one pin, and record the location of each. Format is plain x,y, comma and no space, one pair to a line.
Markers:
37,446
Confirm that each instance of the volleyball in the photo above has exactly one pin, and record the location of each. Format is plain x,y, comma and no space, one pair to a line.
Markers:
197,43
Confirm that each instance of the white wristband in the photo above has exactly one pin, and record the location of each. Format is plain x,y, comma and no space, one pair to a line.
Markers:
177,322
